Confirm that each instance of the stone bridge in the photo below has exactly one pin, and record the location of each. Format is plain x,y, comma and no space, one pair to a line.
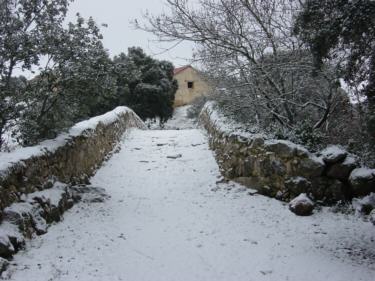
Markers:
159,209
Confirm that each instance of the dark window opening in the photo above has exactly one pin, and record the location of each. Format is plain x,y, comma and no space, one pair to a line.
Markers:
190,85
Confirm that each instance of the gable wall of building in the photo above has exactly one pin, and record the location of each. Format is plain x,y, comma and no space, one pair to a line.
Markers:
185,95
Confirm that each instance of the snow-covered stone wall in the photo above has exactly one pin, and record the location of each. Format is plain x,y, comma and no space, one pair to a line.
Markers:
282,169
70,158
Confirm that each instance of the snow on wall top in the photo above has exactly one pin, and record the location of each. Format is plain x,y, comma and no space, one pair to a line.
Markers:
362,173
226,125
8,159
231,127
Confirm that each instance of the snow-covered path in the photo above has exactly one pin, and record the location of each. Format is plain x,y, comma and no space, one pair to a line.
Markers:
168,219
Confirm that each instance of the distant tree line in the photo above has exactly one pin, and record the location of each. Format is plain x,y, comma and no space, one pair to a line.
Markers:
74,76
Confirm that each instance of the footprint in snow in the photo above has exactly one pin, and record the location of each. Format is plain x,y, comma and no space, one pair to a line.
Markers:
196,144
266,272
174,156
251,241
122,236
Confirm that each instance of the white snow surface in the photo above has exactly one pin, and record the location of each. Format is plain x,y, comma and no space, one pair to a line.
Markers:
7,159
179,120
54,195
362,173
359,203
333,151
171,219
301,199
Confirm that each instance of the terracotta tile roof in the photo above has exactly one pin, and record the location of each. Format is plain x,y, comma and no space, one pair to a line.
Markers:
180,69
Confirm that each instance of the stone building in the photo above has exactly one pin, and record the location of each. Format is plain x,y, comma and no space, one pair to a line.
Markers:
190,85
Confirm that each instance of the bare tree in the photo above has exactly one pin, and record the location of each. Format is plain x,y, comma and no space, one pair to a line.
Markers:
249,44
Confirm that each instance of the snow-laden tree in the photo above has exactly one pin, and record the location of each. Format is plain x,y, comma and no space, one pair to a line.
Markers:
23,35
73,70
75,83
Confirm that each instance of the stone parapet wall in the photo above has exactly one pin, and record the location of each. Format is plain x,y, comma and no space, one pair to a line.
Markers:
280,168
70,158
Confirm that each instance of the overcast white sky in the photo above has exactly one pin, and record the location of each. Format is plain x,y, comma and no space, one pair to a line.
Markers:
119,35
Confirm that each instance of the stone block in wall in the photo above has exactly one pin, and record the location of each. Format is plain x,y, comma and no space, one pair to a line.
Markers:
256,143
337,191
294,186
256,184
328,190
285,149
362,181
3,265
310,167
333,154
342,170
250,164
11,232
6,248
25,215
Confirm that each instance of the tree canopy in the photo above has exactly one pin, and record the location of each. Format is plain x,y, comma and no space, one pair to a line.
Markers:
145,84
343,32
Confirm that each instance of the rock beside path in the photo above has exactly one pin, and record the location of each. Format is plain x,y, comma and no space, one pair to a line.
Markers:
3,265
362,181
302,205
31,216
372,217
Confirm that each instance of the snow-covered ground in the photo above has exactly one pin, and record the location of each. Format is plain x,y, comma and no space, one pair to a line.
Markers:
171,218
179,121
